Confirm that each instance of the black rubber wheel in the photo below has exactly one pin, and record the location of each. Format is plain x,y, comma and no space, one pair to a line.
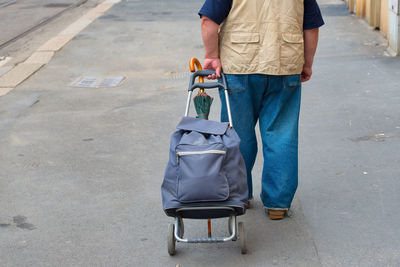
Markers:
181,227
171,239
242,238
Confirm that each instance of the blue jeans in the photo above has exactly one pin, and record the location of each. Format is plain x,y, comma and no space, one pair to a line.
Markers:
275,102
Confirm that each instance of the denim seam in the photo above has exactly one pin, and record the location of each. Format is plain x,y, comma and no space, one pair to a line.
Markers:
242,87
286,83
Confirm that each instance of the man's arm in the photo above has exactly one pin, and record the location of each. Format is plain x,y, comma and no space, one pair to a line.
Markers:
310,46
209,31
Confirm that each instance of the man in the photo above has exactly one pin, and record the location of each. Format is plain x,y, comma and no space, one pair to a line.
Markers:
266,49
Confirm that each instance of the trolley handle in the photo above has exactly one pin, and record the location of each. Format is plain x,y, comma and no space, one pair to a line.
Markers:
208,85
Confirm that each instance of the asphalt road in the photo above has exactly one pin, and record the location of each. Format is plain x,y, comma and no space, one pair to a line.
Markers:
81,168
21,15
43,17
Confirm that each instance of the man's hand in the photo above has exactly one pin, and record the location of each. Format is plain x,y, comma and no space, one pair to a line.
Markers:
306,74
213,64
310,46
209,30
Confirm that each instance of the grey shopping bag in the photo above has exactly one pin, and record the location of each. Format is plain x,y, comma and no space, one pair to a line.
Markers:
205,167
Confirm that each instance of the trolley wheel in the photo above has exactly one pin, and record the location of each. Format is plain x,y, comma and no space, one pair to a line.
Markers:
181,229
171,239
230,228
242,238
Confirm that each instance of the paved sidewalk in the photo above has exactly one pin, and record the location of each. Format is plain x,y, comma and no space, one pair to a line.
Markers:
350,145
81,168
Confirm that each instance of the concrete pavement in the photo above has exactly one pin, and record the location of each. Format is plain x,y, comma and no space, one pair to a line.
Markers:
14,16
81,168
350,129
43,17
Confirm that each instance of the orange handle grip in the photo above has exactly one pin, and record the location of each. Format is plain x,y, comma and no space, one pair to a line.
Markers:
194,62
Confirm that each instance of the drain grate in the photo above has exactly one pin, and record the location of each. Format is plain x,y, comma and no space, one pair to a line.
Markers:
93,82
111,82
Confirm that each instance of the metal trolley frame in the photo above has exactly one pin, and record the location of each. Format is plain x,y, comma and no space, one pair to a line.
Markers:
236,230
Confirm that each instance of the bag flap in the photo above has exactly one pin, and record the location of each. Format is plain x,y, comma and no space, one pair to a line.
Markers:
203,126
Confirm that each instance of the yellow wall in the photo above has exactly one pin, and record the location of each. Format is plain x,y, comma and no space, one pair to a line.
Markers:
384,19
351,4
374,11
360,8
368,10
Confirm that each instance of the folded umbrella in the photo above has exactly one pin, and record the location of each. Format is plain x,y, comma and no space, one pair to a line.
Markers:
202,101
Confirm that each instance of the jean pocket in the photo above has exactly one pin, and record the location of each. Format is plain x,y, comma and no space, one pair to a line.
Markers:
236,83
292,82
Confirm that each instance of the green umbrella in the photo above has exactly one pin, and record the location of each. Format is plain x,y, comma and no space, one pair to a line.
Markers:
202,104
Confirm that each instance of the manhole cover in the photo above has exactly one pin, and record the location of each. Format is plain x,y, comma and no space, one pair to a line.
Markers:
93,82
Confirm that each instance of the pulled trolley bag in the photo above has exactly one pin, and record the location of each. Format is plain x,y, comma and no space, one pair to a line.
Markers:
205,177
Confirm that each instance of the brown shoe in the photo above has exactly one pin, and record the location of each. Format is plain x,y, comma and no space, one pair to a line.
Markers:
276,214
250,203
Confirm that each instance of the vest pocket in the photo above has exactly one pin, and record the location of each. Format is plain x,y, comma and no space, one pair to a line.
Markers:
295,38
292,50
245,37
292,45
201,177
242,47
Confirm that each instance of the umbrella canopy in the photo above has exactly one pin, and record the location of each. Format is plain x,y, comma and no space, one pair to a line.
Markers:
202,101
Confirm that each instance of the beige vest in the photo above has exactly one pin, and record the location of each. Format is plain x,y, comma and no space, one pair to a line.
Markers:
263,36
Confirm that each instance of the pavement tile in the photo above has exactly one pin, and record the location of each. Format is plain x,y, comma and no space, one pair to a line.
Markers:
41,57
77,26
5,69
111,1
4,91
103,7
4,60
98,11
56,43
19,74
92,15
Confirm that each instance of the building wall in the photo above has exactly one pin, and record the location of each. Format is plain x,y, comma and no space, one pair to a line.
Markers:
394,27
384,19
375,12
383,15
360,8
368,11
